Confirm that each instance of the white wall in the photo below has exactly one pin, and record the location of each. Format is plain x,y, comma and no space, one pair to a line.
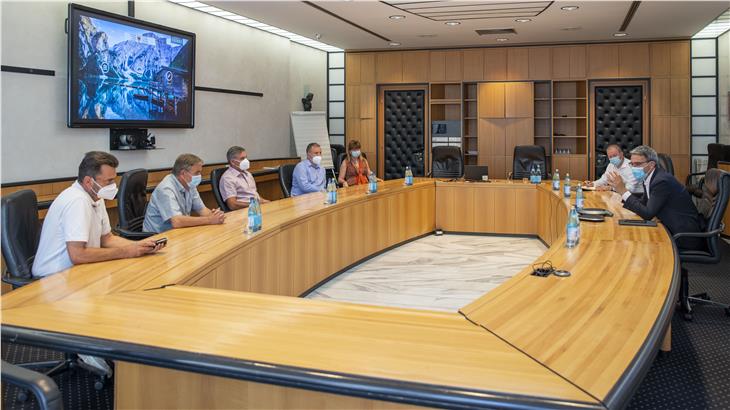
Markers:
723,88
36,143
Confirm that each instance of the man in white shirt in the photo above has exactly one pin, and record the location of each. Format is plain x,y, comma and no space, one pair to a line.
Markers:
618,164
76,228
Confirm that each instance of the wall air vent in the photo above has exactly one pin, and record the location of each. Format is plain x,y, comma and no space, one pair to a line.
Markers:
494,31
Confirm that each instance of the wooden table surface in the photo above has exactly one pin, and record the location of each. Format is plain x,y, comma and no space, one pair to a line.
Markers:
576,341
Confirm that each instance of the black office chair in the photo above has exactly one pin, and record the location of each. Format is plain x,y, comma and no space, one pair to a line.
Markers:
525,156
712,254
19,237
132,204
715,153
447,162
43,387
215,182
339,148
286,174
665,163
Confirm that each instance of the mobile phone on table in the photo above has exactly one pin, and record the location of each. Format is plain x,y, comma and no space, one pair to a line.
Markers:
161,241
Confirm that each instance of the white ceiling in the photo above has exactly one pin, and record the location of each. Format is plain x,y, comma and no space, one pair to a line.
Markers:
597,20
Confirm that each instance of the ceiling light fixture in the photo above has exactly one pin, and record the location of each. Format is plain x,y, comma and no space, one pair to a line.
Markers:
296,38
397,17
523,20
571,28
452,23
569,8
394,44
501,39
621,34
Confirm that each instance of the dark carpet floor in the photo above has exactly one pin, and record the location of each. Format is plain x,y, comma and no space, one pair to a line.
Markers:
695,375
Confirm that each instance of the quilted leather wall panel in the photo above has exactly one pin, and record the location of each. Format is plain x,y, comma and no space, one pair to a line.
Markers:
618,120
404,132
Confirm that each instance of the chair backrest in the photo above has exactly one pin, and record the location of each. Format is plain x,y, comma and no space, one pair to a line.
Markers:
340,158
339,148
447,162
132,199
215,183
715,152
286,174
20,232
718,209
335,164
665,163
525,156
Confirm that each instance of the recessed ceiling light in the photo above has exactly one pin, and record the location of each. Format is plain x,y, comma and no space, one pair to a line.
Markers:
397,17
620,34
502,39
394,44
523,20
569,8
452,23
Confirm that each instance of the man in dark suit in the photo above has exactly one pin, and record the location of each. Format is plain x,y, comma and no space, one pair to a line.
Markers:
664,197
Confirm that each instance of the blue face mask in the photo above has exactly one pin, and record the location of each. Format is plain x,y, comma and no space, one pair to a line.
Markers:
616,161
195,181
355,154
638,173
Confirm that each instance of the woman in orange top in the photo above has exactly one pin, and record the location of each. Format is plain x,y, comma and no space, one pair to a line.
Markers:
354,169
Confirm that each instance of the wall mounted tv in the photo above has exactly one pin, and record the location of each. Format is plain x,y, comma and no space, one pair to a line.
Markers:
127,73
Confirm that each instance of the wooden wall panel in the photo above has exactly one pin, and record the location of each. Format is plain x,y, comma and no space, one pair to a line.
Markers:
679,100
569,62
660,96
633,60
505,207
445,65
352,68
540,67
473,64
679,136
679,58
660,134
519,101
389,67
518,67
415,66
367,68
660,59
495,64
602,61
577,62
367,101
491,100
562,164
519,131
484,215
578,167
525,212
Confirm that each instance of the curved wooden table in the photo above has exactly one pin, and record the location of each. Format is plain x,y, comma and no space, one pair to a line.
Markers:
229,334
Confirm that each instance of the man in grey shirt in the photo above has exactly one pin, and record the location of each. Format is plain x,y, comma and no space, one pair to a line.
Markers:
176,197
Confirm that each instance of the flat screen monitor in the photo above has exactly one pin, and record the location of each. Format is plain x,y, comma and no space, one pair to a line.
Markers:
127,73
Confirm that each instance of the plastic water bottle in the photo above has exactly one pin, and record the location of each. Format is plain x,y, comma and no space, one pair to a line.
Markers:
334,191
331,192
251,223
409,176
259,216
372,183
556,180
566,186
538,175
579,198
573,229
533,174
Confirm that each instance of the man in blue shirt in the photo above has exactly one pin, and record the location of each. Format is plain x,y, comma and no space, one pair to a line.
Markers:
176,198
309,176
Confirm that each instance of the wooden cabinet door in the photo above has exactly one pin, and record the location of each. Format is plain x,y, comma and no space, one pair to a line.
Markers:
519,101
490,103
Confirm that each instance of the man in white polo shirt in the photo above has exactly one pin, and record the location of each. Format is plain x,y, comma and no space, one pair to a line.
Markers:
76,229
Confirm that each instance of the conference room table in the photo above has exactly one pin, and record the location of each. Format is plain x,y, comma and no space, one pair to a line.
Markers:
214,321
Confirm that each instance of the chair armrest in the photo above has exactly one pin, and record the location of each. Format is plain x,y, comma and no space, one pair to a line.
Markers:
132,235
689,176
43,387
699,234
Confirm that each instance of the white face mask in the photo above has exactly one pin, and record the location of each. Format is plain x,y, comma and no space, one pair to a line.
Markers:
106,192
317,159
244,164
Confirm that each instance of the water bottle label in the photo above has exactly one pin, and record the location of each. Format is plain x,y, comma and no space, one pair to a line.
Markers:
556,185
573,235
579,203
251,223
566,190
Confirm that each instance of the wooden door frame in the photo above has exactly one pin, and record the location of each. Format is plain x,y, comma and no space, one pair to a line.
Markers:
380,140
645,116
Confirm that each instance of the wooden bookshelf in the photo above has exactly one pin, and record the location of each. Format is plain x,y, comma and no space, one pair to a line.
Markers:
543,116
570,128
469,127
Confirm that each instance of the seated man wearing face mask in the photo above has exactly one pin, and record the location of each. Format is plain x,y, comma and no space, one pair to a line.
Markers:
76,229
664,197
618,165
309,176
176,197
237,184
354,169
